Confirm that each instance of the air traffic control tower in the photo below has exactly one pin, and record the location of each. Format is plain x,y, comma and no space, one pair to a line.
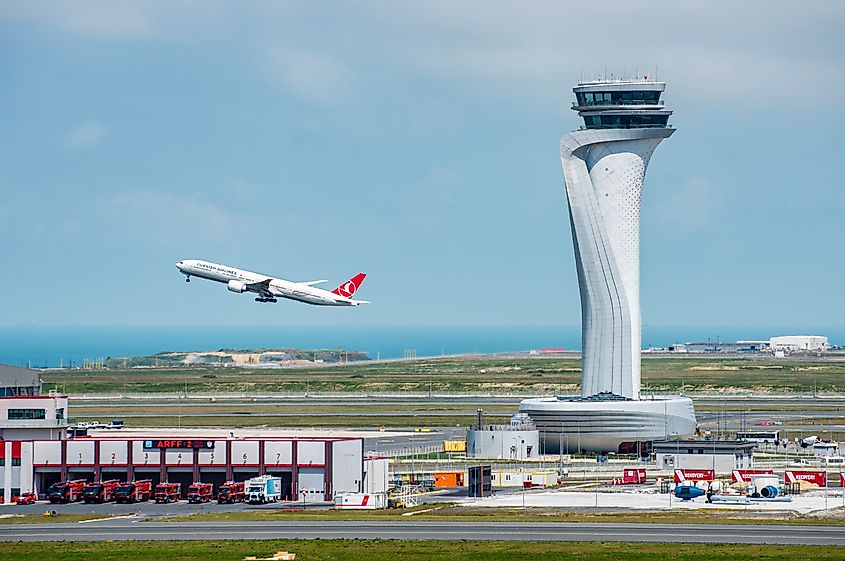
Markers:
604,165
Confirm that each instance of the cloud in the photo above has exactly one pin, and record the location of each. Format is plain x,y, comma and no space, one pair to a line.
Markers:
98,18
751,54
311,75
86,135
165,218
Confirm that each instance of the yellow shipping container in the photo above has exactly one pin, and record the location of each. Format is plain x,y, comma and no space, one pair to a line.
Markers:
454,446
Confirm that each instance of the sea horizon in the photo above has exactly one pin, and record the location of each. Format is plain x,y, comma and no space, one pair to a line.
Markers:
57,346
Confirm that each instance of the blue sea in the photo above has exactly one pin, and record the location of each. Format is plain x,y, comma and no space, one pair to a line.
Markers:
41,346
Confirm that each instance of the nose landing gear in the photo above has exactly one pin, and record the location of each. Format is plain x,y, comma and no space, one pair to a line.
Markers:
188,278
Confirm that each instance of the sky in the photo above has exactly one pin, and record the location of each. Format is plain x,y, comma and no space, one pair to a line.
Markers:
417,142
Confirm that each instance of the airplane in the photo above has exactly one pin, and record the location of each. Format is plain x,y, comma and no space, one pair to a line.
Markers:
269,288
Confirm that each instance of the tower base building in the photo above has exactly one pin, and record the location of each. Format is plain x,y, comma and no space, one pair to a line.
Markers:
605,424
604,166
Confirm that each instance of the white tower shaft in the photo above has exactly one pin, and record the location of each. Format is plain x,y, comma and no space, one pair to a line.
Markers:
603,173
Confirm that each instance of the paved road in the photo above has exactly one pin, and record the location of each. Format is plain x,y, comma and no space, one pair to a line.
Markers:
427,530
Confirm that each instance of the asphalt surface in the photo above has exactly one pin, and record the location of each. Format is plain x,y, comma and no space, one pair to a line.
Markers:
126,529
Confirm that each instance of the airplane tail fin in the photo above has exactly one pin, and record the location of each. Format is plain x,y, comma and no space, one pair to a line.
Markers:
348,288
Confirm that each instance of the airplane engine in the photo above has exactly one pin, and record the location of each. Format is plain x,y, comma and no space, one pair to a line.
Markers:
769,492
236,286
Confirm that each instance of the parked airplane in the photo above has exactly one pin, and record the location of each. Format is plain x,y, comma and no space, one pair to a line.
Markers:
268,288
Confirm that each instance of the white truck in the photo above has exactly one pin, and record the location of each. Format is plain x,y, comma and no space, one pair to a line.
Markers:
264,489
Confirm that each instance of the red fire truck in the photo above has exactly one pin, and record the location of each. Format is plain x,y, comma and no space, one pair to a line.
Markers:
168,492
200,493
66,491
100,491
231,492
135,491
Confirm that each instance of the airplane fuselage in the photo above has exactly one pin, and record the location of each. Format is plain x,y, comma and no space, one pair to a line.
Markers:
268,288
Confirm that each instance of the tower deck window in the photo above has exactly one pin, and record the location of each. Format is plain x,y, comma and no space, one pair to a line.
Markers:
618,98
625,121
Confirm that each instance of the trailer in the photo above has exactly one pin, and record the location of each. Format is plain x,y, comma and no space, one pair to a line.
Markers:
200,493
264,489
231,492
66,491
631,476
168,492
361,501
135,491
100,491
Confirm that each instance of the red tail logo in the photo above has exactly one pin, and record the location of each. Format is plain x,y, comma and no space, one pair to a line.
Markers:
348,288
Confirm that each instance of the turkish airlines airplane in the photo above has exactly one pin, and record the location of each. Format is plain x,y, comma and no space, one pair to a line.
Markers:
268,288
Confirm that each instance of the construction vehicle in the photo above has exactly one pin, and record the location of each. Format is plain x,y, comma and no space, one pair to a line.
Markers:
200,493
231,492
135,491
100,491
168,492
66,491
264,489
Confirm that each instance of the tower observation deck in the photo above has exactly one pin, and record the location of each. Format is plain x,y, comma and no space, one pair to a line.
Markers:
621,104
604,165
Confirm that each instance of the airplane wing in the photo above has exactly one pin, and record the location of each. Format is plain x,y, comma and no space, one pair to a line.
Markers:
312,283
261,287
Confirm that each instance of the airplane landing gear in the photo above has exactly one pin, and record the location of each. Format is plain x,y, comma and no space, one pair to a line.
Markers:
266,300
188,278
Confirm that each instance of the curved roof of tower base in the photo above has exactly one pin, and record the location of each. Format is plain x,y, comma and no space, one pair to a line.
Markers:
602,396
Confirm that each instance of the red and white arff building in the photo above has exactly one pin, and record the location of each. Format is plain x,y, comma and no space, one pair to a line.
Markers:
35,453
311,469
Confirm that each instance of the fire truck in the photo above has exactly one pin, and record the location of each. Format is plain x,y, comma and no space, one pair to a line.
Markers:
100,491
200,493
66,491
168,492
231,492
134,491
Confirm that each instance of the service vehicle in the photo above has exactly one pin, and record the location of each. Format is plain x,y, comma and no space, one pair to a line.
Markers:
25,499
115,424
168,492
66,491
100,491
134,491
200,493
264,489
231,492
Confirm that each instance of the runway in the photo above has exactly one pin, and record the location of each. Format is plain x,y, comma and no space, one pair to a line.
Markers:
122,530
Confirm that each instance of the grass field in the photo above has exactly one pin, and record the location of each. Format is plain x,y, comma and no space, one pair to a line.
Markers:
389,550
445,512
246,421
476,375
